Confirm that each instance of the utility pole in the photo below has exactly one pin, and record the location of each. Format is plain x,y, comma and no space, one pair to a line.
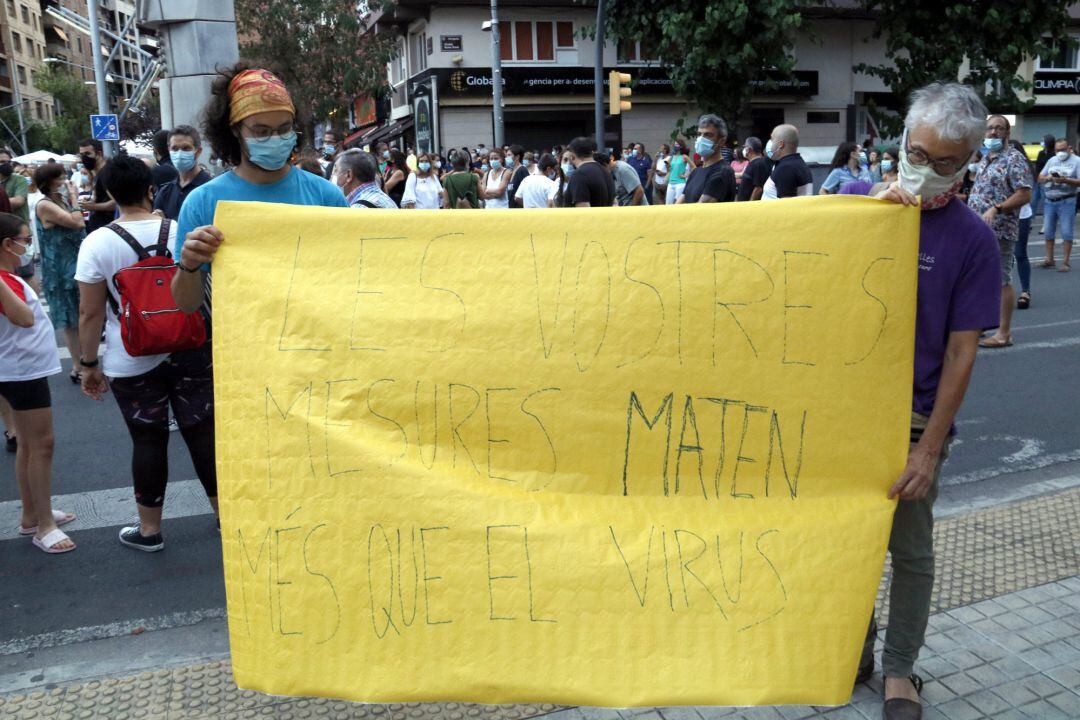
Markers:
496,76
99,69
12,67
598,76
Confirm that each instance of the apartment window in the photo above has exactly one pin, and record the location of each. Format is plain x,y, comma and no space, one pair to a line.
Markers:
22,74
39,110
636,51
1059,57
815,117
534,41
25,14
11,7
16,41
79,41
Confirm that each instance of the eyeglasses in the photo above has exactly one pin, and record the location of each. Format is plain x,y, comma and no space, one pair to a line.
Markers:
28,239
262,133
942,167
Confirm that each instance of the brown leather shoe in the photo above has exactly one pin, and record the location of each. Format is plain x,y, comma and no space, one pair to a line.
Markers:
901,709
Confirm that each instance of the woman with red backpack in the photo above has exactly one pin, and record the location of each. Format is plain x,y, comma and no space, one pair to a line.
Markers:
146,378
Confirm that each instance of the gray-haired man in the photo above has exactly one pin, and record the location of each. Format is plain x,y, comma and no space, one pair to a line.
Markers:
958,296
714,181
355,172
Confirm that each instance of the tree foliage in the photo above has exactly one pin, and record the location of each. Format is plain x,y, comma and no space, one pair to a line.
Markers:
712,50
979,44
321,50
75,105
140,123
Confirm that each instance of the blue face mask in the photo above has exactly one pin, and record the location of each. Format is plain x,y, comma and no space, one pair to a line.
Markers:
704,147
485,167
637,153
273,152
328,148
525,163
568,169
509,162
992,144
182,160
769,149
886,165
424,166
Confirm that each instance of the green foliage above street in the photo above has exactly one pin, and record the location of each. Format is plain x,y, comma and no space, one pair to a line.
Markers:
74,107
979,44
712,50
320,50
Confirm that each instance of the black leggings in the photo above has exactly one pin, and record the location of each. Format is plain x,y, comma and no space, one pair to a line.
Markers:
150,461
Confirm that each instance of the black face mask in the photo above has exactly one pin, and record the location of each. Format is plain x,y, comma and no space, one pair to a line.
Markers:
6,169
89,161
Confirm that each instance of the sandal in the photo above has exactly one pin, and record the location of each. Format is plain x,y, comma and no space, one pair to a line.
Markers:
76,377
49,542
59,517
994,343
1047,264
1064,268
1024,301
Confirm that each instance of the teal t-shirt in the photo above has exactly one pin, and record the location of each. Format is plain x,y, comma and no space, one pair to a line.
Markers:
297,188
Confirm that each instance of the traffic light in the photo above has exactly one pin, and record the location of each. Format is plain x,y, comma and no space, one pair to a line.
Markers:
617,90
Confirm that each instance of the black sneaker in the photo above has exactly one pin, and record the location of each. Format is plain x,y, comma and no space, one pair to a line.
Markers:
11,442
131,537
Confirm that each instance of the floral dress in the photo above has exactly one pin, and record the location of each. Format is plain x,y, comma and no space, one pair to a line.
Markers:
59,248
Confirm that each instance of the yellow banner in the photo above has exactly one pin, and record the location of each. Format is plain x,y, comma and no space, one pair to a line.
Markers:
621,457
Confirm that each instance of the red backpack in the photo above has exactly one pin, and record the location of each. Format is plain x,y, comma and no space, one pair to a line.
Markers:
150,322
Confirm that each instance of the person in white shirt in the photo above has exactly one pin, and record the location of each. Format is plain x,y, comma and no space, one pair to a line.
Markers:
1060,178
659,174
28,356
144,386
539,190
423,191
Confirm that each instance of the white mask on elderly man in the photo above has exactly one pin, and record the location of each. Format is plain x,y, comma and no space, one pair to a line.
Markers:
936,190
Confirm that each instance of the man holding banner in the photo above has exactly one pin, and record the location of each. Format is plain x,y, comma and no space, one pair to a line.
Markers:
958,296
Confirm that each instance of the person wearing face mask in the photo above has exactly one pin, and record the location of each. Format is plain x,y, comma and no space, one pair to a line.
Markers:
959,288
461,184
61,230
846,167
330,149
640,161
756,174
164,171
658,175
539,190
873,165
790,177
681,167
249,124
515,161
1001,189
395,175
715,180
185,146
591,185
889,168
1059,180
356,172
100,207
423,191
145,386
28,356
1045,153
566,170
493,188
382,154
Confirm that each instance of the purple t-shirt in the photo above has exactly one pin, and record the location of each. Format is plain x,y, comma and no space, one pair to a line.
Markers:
959,288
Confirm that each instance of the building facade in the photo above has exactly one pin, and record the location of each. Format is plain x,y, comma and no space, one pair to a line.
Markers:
441,91
22,38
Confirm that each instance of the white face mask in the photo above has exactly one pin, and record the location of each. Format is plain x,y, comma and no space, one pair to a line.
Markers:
27,257
1062,156
922,180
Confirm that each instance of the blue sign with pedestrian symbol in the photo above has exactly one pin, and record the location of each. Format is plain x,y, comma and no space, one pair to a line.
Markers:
105,127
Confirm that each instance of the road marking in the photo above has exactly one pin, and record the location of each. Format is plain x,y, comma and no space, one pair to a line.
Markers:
1046,325
108,508
1011,466
109,630
1047,345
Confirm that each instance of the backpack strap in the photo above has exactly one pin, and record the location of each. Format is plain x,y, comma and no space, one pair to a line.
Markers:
367,203
132,242
162,247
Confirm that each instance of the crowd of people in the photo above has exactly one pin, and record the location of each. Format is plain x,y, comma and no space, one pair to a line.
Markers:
972,215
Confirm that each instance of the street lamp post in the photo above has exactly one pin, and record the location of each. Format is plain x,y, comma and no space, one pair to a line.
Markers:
496,75
99,70
598,76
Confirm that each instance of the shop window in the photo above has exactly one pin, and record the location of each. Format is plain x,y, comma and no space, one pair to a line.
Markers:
1059,57
817,117
525,41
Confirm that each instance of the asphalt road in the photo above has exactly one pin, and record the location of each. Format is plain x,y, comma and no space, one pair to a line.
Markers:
1019,432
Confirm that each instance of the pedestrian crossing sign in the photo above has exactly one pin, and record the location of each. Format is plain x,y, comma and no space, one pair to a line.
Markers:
105,127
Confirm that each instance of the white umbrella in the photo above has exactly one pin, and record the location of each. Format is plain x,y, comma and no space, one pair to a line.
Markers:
39,157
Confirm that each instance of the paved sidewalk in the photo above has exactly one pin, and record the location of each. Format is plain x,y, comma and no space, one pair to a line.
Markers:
1004,642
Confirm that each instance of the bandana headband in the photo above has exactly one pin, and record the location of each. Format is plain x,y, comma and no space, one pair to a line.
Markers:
257,91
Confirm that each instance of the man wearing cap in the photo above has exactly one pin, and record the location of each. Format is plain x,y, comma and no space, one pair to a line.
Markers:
249,124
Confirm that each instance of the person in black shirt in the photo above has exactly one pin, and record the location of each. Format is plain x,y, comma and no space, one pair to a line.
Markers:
102,209
590,185
1044,156
790,176
521,171
714,181
164,171
184,149
756,173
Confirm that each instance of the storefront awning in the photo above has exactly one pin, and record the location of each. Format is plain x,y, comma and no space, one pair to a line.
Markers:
383,133
59,31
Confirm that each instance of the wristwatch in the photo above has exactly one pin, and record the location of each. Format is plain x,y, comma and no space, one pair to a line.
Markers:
89,363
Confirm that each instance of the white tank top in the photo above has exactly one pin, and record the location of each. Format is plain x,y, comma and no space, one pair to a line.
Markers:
27,353
493,182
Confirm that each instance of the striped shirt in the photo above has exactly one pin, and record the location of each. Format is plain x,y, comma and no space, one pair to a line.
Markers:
371,193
